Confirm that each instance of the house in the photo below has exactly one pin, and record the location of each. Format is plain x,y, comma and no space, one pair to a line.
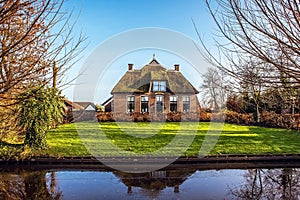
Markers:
154,89
79,106
78,111
108,104
70,106
87,106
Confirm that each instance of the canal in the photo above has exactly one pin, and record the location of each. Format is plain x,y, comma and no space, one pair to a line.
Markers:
181,183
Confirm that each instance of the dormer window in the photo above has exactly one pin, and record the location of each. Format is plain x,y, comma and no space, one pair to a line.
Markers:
159,86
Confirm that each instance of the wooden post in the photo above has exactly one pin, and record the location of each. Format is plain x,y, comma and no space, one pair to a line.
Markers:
55,70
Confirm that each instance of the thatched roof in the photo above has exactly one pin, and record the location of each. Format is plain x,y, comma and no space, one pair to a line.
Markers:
138,81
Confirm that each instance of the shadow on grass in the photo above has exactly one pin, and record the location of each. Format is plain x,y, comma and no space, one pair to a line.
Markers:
2,143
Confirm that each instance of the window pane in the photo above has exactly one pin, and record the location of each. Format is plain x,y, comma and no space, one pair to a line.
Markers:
144,103
130,98
185,103
162,85
159,103
159,86
159,98
173,103
155,85
185,98
130,103
173,98
144,98
159,107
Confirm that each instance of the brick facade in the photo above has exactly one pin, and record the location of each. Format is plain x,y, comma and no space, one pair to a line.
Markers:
120,102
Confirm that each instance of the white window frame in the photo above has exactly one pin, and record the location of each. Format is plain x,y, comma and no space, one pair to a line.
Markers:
163,103
127,109
189,97
161,86
172,96
147,103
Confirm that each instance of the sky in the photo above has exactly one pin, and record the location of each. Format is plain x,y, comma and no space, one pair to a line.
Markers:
119,32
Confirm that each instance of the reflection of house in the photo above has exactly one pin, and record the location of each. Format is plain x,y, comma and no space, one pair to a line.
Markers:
156,181
154,89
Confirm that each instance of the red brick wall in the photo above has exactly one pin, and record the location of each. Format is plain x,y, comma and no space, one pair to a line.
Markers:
120,104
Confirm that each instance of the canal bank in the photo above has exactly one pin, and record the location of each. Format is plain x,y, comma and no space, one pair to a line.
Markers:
205,162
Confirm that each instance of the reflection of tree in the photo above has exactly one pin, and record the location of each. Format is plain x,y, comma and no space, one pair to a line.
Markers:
283,183
11,187
270,184
26,185
253,187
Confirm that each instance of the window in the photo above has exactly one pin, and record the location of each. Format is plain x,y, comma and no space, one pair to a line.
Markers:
185,103
173,103
144,104
159,103
159,86
130,104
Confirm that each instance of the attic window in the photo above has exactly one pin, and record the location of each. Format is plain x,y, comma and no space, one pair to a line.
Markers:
159,86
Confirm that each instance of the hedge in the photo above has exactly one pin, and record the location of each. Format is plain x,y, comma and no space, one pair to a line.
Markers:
268,119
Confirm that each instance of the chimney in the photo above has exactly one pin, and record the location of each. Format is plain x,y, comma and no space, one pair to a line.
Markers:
176,67
130,66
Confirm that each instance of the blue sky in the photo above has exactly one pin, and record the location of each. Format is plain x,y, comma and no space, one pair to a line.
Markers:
103,20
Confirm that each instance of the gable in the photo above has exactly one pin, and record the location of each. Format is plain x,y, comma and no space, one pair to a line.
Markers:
90,107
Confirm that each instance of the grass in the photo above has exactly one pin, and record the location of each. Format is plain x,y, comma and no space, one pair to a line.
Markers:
165,139
152,138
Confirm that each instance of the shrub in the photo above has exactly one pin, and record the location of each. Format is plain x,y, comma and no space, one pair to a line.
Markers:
41,109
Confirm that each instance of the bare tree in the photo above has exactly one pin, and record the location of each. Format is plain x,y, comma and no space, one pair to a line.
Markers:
214,88
33,34
253,82
37,43
267,30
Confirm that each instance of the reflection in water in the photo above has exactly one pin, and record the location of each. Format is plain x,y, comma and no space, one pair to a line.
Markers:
270,184
165,184
27,185
153,183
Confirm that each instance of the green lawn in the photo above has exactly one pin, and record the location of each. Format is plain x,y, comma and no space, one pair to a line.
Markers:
163,139
168,139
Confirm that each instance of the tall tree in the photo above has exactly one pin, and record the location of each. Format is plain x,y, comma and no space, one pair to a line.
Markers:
253,82
33,35
215,88
267,30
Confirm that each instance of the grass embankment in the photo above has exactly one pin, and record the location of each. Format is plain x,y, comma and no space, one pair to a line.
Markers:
166,139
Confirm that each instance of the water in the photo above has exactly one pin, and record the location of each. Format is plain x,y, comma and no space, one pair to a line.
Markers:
280,183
